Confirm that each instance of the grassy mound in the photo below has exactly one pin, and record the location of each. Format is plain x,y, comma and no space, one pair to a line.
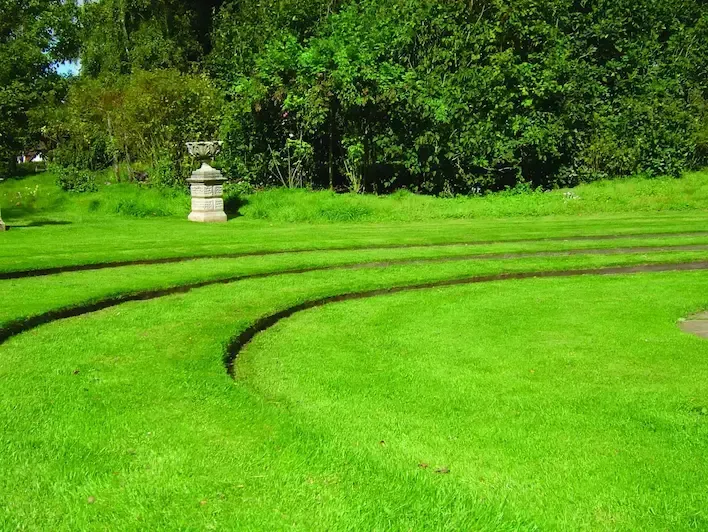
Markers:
626,195
38,196
568,419
449,407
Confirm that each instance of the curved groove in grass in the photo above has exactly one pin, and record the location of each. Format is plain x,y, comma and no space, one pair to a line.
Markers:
20,274
16,327
239,342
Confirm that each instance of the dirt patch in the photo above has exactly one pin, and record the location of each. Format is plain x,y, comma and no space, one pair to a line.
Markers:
696,325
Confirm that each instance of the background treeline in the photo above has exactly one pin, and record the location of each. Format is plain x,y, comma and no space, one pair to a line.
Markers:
436,96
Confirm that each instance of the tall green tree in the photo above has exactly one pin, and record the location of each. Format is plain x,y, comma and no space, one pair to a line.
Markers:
141,93
34,36
120,36
437,96
453,97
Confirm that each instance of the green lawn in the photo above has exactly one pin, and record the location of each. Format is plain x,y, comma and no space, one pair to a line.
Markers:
571,403
542,403
37,199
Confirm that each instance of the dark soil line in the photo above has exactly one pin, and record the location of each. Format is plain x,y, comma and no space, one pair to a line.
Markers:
13,328
238,343
19,274
555,253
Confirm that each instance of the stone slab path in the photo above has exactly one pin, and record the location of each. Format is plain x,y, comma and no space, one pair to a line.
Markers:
696,324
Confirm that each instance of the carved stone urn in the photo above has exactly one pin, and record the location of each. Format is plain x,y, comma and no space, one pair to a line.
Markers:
206,184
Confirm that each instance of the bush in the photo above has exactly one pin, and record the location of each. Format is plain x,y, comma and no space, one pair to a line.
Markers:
145,117
70,179
450,98
164,173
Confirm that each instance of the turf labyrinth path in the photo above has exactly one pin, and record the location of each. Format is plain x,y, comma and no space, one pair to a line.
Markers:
14,327
176,326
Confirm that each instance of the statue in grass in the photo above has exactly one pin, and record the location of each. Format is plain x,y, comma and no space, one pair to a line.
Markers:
206,184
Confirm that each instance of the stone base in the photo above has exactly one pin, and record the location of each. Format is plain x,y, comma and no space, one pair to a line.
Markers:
214,216
207,188
2,226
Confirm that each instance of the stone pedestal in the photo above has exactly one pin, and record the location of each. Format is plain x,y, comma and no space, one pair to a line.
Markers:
2,225
207,188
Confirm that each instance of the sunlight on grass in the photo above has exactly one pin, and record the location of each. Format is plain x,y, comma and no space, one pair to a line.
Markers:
515,405
38,196
575,401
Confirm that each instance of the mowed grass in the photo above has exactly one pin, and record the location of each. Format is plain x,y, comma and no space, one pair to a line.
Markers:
53,228
570,403
27,297
556,403
119,239
567,403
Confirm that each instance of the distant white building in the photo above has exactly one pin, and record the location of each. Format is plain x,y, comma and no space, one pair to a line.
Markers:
31,157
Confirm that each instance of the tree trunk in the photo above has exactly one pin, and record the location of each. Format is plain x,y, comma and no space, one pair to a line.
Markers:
116,168
126,43
12,165
330,162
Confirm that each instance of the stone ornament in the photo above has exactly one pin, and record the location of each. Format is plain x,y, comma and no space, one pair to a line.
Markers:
206,184
206,150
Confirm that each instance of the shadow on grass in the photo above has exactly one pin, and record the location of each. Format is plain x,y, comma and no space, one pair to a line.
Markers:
232,205
27,208
37,223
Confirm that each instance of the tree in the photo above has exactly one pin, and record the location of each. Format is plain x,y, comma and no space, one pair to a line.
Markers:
147,116
34,35
441,96
120,36
436,96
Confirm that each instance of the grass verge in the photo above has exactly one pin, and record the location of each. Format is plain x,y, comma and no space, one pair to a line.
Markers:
37,199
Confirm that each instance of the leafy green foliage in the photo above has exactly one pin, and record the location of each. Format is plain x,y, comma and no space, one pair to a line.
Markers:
120,36
145,116
34,34
456,96
71,179
431,96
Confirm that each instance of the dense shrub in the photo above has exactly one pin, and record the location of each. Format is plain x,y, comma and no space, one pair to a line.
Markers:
434,96
450,97
71,179
144,116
